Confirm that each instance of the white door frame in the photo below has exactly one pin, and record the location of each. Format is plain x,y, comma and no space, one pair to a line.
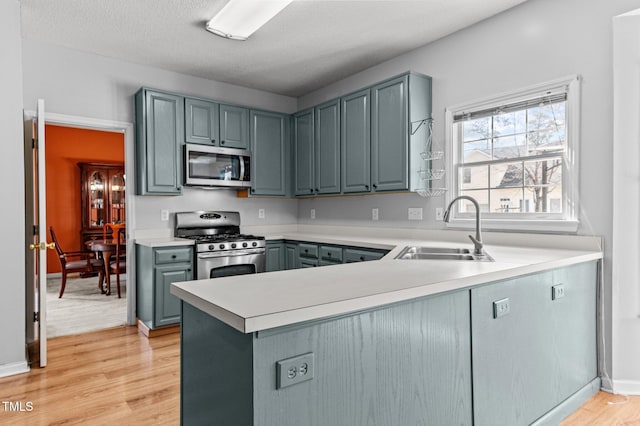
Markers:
129,170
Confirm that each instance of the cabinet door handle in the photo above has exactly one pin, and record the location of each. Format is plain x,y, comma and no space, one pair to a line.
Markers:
317,190
213,141
221,142
361,258
366,187
375,186
311,190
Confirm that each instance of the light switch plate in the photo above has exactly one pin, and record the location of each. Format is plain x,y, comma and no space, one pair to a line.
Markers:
294,370
501,307
374,214
164,215
260,213
313,213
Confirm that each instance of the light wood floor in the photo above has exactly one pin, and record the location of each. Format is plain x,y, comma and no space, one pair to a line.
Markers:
118,376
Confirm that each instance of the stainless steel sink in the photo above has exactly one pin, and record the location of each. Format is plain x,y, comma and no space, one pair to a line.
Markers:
441,253
435,250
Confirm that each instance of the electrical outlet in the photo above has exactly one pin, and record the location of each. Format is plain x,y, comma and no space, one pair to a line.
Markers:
294,370
164,215
439,213
415,213
313,213
260,213
557,291
374,214
501,307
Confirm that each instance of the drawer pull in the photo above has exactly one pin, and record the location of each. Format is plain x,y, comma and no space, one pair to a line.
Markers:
362,258
173,256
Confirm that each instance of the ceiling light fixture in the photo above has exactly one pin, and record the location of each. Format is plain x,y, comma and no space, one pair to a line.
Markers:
238,19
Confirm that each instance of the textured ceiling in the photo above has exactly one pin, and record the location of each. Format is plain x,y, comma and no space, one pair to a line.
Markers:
310,44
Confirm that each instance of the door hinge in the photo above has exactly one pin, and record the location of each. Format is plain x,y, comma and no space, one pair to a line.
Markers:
34,143
36,229
36,317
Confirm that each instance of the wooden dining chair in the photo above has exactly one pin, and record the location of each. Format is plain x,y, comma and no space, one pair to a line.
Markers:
119,263
76,261
117,230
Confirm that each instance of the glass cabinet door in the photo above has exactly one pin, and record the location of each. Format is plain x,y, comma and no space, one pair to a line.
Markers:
117,185
97,202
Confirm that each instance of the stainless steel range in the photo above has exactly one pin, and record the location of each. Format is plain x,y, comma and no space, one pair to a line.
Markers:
221,249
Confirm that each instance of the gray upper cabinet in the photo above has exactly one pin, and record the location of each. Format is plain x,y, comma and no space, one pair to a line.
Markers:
159,141
269,150
355,132
390,135
201,122
327,148
303,134
234,127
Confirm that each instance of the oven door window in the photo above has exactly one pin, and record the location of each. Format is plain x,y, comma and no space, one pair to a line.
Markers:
229,270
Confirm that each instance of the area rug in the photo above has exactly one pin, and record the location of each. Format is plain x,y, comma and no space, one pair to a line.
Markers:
82,307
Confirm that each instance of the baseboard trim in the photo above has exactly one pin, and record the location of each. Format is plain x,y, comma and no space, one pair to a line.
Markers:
14,368
155,332
626,387
569,405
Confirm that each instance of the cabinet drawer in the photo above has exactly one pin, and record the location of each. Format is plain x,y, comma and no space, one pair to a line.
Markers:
331,253
308,250
173,255
357,255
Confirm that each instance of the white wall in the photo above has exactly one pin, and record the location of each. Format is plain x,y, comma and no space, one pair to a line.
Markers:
12,257
538,41
626,204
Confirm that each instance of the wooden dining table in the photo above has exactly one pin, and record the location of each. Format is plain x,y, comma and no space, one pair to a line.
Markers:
106,247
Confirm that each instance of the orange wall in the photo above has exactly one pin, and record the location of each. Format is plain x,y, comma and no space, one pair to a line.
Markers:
65,148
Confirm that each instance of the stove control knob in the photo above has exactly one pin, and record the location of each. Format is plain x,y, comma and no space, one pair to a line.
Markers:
233,245
212,247
221,246
244,245
254,244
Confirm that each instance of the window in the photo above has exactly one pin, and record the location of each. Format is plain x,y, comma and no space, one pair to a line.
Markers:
516,155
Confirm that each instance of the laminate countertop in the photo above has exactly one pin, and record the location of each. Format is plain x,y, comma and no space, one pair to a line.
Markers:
251,303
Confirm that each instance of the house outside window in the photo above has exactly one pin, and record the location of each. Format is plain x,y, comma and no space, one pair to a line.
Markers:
516,154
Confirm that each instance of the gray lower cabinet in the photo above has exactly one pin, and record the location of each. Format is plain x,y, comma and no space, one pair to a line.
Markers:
275,260
159,140
290,255
156,269
362,255
307,255
537,352
201,122
368,368
270,151
234,127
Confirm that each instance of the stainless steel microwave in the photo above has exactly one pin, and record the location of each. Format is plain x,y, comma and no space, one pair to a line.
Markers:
214,166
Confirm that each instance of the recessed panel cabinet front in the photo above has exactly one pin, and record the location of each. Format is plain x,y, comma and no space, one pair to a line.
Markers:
303,134
355,131
390,135
234,127
269,150
201,122
159,141
327,148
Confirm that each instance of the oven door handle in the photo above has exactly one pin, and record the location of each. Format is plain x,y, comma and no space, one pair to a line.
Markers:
235,253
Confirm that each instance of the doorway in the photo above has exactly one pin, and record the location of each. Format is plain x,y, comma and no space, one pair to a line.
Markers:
82,306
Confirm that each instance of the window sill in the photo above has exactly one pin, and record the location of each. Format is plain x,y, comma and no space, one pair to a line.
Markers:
535,226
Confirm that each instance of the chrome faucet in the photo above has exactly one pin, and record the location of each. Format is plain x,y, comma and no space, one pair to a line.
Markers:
477,240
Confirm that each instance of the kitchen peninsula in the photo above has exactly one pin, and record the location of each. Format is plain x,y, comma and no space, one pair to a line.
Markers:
396,341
